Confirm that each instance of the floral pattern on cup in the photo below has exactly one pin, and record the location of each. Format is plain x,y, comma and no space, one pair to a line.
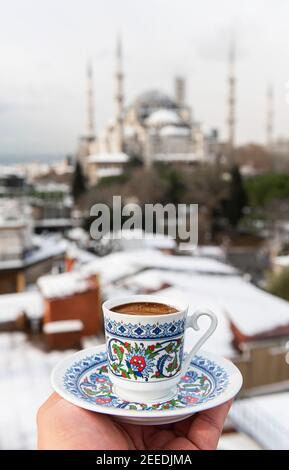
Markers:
145,361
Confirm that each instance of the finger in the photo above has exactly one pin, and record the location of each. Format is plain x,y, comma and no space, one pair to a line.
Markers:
207,426
156,437
133,433
51,401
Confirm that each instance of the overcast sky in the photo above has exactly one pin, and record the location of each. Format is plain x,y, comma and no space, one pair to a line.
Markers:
44,46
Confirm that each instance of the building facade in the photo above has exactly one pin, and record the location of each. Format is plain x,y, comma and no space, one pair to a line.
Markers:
154,128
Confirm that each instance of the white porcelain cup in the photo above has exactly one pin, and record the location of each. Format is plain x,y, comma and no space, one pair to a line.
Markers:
145,352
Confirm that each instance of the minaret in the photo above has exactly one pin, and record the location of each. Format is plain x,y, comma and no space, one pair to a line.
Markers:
180,90
90,128
270,117
119,97
231,102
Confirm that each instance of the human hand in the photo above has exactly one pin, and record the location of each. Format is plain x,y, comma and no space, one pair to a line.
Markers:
62,425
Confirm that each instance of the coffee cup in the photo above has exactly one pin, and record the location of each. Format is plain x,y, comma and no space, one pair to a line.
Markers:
145,345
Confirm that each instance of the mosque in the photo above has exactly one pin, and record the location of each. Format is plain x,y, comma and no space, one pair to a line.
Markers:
154,128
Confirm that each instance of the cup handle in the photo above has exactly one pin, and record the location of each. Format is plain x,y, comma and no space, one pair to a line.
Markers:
193,323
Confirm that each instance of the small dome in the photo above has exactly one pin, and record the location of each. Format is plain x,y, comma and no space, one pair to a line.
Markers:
163,117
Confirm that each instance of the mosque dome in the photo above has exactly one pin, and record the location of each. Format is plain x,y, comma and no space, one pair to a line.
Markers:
163,117
150,101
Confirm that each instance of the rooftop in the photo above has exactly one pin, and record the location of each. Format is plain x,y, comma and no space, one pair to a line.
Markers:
63,285
265,419
108,158
44,247
200,280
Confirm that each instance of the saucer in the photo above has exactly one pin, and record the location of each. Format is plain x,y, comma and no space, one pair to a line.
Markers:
82,379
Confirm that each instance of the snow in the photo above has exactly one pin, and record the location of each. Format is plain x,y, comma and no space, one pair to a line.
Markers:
265,418
63,285
44,247
78,234
252,310
184,263
221,341
162,117
81,256
123,263
52,187
175,131
119,157
201,281
112,267
237,441
210,251
138,239
65,326
48,246
282,261
10,170
11,305
59,222
24,385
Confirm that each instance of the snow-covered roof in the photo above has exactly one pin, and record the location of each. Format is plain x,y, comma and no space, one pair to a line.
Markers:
10,170
210,251
62,285
64,326
203,282
24,386
183,289
193,264
77,234
11,305
119,157
113,267
51,187
57,222
44,247
106,172
175,131
163,117
265,418
251,309
282,261
137,239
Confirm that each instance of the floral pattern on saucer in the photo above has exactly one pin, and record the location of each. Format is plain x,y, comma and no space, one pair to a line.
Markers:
88,380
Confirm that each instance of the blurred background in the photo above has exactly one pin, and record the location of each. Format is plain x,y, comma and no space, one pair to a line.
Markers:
158,102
